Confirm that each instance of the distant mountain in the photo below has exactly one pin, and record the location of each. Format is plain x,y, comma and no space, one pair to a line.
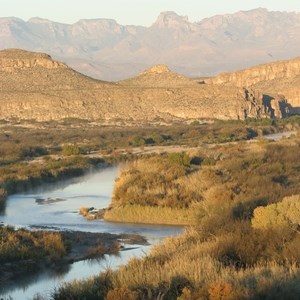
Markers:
106,50
33,86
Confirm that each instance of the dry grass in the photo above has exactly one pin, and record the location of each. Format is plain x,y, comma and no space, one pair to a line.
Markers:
17,245
151,215
84,211
191,259
223,256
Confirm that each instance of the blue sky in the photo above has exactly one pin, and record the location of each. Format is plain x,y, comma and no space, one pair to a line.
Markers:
135,12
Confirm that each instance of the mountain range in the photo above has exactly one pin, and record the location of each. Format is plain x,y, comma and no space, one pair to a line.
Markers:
106,50
33,86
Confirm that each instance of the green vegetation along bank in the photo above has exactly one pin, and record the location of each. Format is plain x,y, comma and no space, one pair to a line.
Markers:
231,252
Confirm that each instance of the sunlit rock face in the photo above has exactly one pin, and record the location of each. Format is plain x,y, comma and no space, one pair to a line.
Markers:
33,86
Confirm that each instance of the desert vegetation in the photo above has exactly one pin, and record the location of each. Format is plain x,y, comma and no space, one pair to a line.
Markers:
34,152
228,189
245,174
24,252
23,175
245,241
17,245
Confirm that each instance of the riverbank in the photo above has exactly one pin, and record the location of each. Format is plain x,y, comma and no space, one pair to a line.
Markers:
151,215
24,252
137,214
22,176
245,244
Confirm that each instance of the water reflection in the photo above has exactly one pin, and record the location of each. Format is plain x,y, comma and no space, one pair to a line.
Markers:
94,189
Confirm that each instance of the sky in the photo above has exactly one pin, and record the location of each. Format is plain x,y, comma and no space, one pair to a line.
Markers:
133,12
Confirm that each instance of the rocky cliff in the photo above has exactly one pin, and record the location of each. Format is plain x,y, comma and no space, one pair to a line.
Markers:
278,81
13,60
277,70
33,86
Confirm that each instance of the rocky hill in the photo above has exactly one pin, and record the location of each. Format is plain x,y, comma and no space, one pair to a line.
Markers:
278,80
34,86
205,48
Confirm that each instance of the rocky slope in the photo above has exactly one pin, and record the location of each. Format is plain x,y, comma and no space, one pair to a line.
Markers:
220,43
33,86
277,81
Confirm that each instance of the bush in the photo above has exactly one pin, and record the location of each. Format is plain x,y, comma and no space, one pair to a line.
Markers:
153,181
180,158
16,245
282,215
71,149
154,138
137,141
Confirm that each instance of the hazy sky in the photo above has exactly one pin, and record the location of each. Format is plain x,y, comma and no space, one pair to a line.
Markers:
135,12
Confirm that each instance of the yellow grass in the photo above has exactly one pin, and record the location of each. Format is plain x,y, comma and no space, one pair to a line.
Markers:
151,215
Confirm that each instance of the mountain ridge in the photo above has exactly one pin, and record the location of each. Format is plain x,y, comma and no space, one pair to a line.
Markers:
208,47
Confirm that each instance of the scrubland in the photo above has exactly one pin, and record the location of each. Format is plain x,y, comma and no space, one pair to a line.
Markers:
241,199
244,244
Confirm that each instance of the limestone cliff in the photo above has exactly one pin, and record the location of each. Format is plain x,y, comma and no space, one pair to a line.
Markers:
13,60
279,81
33,86
266,72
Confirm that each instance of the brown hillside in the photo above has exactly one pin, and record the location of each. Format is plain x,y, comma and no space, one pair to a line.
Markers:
33,86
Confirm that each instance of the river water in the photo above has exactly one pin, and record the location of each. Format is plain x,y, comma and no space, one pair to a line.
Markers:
94,189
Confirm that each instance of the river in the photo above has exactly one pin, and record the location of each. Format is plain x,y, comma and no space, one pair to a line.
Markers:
94,189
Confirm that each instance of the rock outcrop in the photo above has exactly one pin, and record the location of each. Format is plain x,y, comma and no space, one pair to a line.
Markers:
13,60
278,82
39,88
278,70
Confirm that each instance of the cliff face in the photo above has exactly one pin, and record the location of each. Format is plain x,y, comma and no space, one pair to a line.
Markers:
267,72
33,86
278,81
13,60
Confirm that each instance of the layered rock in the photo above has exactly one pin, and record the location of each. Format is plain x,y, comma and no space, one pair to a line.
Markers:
279,82
12,60
49,90
266,72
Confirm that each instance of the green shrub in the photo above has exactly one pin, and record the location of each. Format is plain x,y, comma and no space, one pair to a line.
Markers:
71,149
137,141
181,158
